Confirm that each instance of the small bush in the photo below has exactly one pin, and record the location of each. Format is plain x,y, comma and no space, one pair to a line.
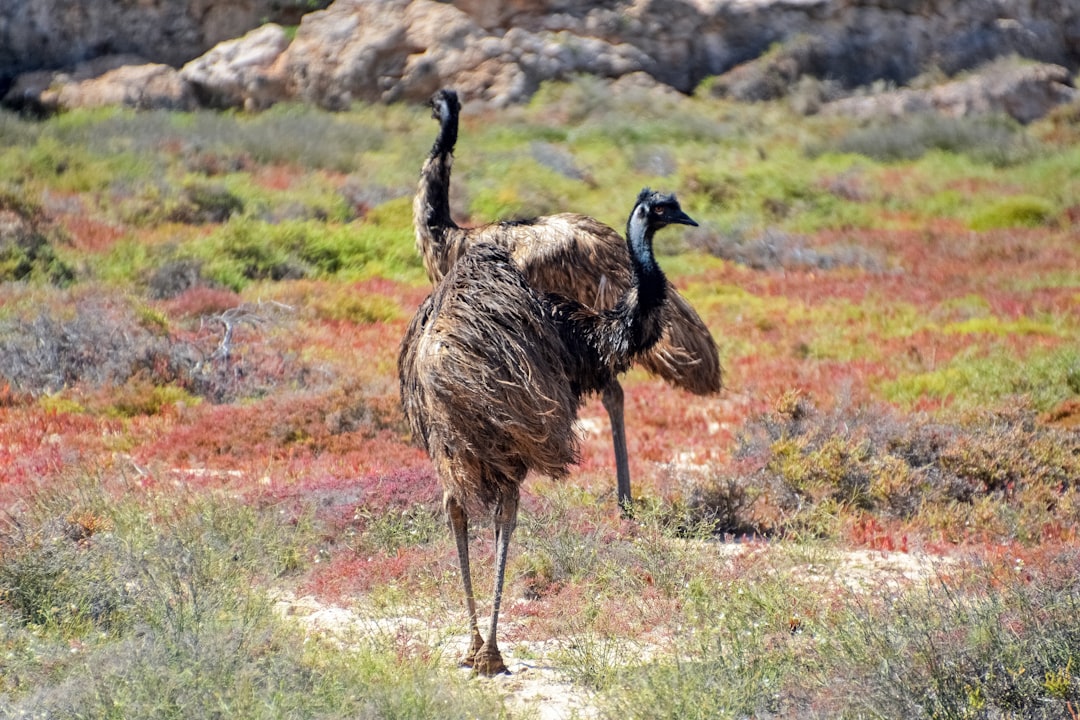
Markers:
725,506
554,550
175,277
202,301
103,343
162,611
27,244
244,249
139,396
1016,211
206,203
110,343
971,381
809,467
1006,648
62,577
389,529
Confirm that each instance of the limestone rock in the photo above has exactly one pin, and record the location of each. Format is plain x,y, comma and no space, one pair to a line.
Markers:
58,34
1024,91
354,50
241,72
771,75
112,80
500,52
392,50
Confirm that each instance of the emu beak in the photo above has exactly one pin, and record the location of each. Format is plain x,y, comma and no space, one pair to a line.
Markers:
681,218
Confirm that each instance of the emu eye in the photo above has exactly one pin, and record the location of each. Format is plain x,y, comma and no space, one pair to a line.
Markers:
658,210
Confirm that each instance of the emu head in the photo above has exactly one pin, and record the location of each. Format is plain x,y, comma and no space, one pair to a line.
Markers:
655,210
444,105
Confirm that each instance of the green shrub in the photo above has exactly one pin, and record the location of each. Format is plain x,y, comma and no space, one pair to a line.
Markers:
350,306
139,396
53,580
730,661
27,243
245,249
1015,211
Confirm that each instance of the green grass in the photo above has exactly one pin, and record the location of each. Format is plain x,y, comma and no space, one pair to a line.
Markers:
246,249
973,379
114,609
942,649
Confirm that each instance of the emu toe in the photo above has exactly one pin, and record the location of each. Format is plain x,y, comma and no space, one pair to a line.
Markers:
469,659
488,662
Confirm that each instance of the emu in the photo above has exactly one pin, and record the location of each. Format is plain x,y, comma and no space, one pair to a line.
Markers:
572,255
492,372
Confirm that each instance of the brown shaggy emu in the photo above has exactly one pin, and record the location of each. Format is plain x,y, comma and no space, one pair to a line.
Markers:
492,372
569,254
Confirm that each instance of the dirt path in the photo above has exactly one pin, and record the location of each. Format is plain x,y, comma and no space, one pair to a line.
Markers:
536,687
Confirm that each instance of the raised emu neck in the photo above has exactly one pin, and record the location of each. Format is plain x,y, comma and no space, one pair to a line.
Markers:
445,108
431,206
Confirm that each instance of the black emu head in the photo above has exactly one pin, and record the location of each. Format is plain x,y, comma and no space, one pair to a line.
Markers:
444,104
656,210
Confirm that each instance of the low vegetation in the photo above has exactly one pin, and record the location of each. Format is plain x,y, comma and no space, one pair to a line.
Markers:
200,431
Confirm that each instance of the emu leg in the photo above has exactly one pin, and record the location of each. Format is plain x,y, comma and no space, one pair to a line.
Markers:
459,524
488,660
613,402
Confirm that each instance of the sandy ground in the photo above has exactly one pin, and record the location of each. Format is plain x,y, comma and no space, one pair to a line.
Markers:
536,687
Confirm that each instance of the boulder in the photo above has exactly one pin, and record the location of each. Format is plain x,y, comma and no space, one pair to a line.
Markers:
773,74
59,34
354,50
242,72
393,50
112,80
1025,91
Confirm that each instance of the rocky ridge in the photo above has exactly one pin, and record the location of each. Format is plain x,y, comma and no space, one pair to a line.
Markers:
500,52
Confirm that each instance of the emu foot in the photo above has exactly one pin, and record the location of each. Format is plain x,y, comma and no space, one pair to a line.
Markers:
488,662
469,660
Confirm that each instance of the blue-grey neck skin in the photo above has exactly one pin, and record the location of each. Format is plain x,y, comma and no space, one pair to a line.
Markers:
651,283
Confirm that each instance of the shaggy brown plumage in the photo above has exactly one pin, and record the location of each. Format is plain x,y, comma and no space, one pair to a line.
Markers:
492,372
484,380
570,254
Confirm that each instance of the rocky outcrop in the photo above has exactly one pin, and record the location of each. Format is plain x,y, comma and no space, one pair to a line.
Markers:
59,34
1024,91
110,80
241,73
772,75
390,50
499,52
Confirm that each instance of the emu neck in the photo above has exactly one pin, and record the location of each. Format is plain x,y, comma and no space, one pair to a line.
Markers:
447,137
431,206
651,283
